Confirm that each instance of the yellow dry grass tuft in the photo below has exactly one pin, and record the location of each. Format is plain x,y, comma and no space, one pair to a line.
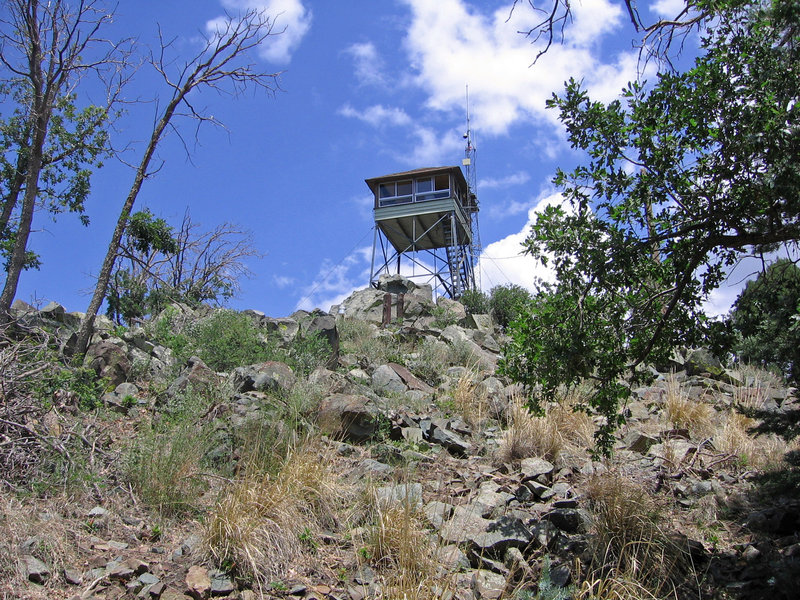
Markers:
36,532
471,400
683,412
759,452
399,547
546,436
255,527
630,546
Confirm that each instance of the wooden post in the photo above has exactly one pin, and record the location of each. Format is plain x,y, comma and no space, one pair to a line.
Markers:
387,309
400,308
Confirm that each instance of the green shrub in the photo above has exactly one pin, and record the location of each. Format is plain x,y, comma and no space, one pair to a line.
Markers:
476,302
307,352
443,317
81,381
766,317
165,463
507,302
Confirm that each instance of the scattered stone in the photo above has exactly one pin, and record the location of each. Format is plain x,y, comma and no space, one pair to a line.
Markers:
108,361
532,468
385,380
198,583
437,513
72,576
504,533
35,570
569,520
488,585
404,493
463,526
221,584
348,417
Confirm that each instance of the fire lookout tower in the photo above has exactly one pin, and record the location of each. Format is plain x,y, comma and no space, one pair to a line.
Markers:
426,216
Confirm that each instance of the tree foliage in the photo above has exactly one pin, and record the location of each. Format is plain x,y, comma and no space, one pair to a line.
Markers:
222,65
507,302
48,144
158,265
683,178
766,316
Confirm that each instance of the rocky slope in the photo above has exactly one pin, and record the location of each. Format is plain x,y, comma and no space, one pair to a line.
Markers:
388,462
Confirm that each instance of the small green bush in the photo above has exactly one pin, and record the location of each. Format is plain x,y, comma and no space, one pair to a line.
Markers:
507,303
307,352
476,302
443,317
81,381
166,462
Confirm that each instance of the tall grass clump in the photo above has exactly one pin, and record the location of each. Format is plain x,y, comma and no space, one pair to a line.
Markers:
735,437
630,544
561,425
255,529
684,413
471,400
399,547
165,463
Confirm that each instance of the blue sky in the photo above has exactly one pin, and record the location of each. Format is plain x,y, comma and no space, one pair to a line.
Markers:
367,88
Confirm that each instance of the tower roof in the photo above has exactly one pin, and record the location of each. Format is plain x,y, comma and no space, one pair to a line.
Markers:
373,182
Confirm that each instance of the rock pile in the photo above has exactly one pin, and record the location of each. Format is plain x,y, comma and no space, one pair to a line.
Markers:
432,445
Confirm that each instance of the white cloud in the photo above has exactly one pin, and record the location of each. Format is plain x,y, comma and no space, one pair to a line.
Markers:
368,64
291,19
335,282
282,281
377,115
517,178
503,261
431,148
668,9
507,209
451,44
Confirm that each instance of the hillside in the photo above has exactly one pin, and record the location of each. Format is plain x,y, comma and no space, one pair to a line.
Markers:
211,453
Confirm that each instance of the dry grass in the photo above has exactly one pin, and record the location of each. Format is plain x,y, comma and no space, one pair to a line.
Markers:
255,528
471,400
684,413
399,548
39,531
630,546
546,436
752,452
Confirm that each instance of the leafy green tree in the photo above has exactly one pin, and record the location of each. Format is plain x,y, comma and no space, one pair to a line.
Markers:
507,302
48,145
683,178
766,315
134,289
158,265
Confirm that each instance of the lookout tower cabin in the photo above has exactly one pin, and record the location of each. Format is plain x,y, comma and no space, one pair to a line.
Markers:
425,216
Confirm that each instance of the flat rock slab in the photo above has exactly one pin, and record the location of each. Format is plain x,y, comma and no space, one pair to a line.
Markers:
406,493
463,526
534,467
506,532
35,570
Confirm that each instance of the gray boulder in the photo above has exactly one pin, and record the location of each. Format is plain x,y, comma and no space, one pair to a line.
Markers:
108,360
348,417
385,380
270,376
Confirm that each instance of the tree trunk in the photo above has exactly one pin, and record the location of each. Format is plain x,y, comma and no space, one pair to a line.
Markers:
87,325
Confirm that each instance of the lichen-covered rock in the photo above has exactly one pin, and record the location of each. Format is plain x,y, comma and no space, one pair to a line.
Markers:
108,360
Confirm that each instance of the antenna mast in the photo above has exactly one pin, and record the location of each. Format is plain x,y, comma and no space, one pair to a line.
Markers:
470,156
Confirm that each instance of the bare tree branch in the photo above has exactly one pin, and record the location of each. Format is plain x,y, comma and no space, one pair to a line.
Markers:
220,65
